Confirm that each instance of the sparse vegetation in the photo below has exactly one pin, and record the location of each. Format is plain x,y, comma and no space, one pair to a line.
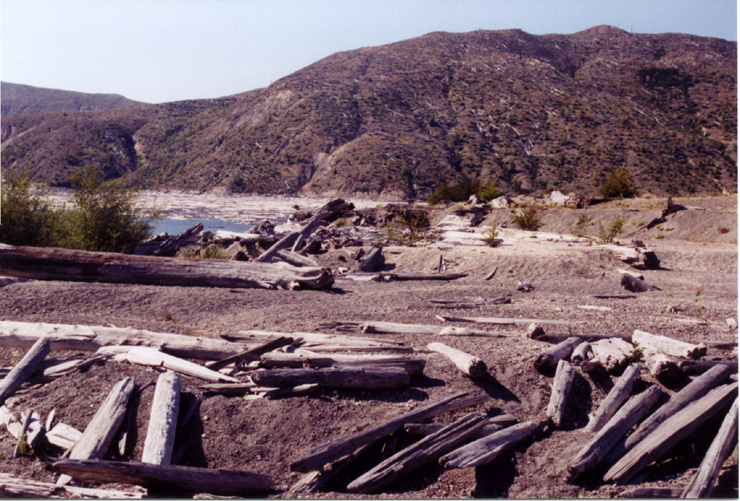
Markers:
619,184
580,228
607,236
528,218
490,236
460,192
26,216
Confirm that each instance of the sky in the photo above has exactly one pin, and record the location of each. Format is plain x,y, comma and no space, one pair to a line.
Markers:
168,50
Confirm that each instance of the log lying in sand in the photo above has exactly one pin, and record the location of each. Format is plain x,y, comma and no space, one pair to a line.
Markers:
308,359
426,450
486,449
24,368
547,361
92,337
63,436
319,456
661,367
323,342
616,428
312,481
183,478
612,353
652,493
295,259
252,354
371,262
581,353
703,482
509,321
540,335
634,284
160,436
378,327
12,486
560,390
74,265
669,433
616,397
334,377
668,346
468,364
639,258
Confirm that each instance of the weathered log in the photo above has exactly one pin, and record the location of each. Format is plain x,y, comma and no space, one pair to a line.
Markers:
56,368
634,284
616,397
24,368
103,426
373,261
151,356
669,433
590,338
612,353
334,377
400,328
703,482
63,436
408,276
652,493
486,449
92,337
323,342
668,346
547,361
23,446
168,245
616,428
560,390
182,478
11,487
295,259
305,358
424,451
323,454
160,436
660,366
75,265
639,258
510,321
468,364
287,391
492,425
581,353
228,388
695,367
251,354
312,481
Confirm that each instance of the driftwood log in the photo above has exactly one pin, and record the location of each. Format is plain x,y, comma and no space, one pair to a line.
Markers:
312,360
560,390
160,436
371,262
662,367
581,353
323,342
695,367
492,425
547,361
379,378
18,487
616,397
168,245
319,456
634,284
24,368
486,449
63,436
468,364
612,353
251,354
668,346
182,478
510,321
75,265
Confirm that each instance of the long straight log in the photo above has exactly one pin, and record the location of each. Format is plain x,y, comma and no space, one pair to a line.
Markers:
652,493
24,368
323,454
75,265
160,436
669,433
183,478
616,428
616,397
306,358
64,337
320,342
424,451
560,390
486,449
295,259
312,481
695,367
511,321
668,346
468,364
492,425
334,377
377,327
547,361
703,482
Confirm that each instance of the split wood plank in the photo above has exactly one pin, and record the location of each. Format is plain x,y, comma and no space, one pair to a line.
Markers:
547,362
42,263
334,377
23,369
486,449
669,433
160,436
669,346
560,390
616,397
321,455
468,364
426,450
183,478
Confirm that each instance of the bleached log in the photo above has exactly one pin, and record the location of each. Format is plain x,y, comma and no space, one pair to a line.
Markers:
581,353
593,307
668,346
703,482
155,358
616,397
65,337
492,425
372,262
252,354
547,361
589,338
103,426
635,257
312,481
510,321
288,391
160,435
295,259
424,451
23,446
24,368
75,265
323,342
334,377
63,436
326,453
12,487
651,493
612,353
560,390
669,433
305,358
468,364
486,449
616,428
184,478
399,328
57,368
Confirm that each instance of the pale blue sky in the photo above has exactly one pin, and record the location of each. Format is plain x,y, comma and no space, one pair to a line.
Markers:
167,50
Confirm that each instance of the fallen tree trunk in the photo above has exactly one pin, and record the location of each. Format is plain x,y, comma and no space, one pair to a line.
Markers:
696,367
160,436
468,364
492,425
547,361
616,428
251,354
560,390
295,259
616,397
426,450
668,346
304,358
703,482
92,337
323,342
319,456
63,436
372,262
24,368
183,478
12,487
634,284
169,245
660,366
338,378
399,328
613,353
486,449
510,321
74,265
669,433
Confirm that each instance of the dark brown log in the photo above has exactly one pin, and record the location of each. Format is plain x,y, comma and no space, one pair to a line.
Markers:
547,361
75,265
695,367
169,245
669,433
616,428
560,390
703,482
618,395
492,425
319,456
372,262
182,478
652,493
24,368
486,449
634,284
424,451
334,377
228,388
251,354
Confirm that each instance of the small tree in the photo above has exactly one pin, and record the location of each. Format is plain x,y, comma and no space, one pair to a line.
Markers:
619,184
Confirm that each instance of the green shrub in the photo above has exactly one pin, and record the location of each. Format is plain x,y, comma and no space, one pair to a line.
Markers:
490,236
619,184
489,191
608,236
461,192
26,216
528,218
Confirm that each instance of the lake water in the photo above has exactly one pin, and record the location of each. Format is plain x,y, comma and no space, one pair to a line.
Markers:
175,226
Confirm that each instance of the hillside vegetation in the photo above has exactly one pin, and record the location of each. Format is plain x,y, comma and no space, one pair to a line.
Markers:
533,113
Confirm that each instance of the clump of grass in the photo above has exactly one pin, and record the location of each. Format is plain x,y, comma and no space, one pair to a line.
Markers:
528,218
580,228
607,236
490,236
